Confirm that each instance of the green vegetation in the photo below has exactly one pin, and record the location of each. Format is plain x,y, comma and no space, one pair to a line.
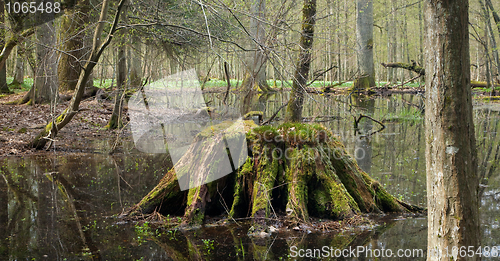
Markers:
406,114
215,83
105,83
142,230
208,245
483,89
25,86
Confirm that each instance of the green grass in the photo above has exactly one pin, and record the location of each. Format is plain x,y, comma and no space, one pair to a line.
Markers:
28,82
407,114
483,89
215,83
105,83
415,84
25,86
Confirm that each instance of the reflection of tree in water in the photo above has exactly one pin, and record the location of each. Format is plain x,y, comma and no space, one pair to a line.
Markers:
52,207
19,204
35,213
363,147
230,242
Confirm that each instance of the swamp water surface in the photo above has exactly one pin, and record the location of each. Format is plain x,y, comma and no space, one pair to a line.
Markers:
64,206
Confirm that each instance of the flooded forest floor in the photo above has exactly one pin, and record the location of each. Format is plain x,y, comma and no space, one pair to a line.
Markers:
19,124
102,184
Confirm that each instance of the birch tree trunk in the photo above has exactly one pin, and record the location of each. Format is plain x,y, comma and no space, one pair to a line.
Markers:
364,39
452,180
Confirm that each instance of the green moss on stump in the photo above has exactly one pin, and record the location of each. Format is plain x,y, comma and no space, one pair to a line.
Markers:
297,170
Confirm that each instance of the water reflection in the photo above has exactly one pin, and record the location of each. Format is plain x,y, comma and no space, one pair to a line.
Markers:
53,207
60,207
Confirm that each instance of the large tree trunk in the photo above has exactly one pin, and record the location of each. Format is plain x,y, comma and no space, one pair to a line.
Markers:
72,60
294,108
364,39
297,170
4,220
51,129
45,82
451,164
4,88
255,65
135,62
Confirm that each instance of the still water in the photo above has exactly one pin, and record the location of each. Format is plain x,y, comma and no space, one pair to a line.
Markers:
63,206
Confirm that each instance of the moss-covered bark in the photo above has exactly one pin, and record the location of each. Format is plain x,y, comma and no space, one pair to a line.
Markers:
71,61
363,83
297,170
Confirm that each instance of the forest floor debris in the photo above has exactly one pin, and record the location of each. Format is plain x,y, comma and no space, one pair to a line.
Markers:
19,124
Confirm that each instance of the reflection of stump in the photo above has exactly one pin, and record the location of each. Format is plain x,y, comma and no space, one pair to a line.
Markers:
299,169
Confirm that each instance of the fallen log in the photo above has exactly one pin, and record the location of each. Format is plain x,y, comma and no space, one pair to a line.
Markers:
412,67
477,84
421,71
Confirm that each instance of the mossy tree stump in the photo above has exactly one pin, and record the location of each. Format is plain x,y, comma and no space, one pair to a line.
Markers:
298,170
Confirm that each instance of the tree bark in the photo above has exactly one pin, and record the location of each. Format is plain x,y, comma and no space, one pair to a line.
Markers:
135,62
255,66
72,35
19,67
451,164
364,39
294,108
45,82
392,42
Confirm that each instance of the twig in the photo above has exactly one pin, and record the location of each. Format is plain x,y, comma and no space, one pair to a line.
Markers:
275,114
412,79
226,69
320,74
356,122
206,77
